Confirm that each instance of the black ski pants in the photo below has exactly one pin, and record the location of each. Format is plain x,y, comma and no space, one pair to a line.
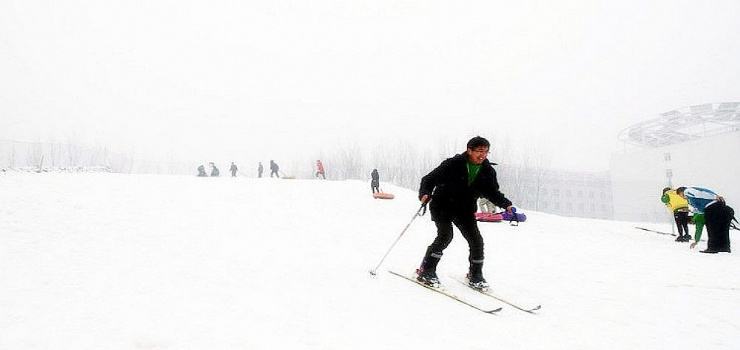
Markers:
469,229
682,222
718,217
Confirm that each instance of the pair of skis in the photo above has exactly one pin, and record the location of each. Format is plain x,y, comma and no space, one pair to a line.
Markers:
452,296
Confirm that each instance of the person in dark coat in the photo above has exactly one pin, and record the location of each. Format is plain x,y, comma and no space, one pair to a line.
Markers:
202,171
274,169
452,190
719,219
259,170
233,169
375,182
214,170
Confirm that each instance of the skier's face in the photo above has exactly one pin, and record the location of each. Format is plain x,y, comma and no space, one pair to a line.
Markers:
477,155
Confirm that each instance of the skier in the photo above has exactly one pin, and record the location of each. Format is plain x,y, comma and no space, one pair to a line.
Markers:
680,209
274,169
709,209
375,182
202,171
453,188
214,170
259,170
233,169
320,169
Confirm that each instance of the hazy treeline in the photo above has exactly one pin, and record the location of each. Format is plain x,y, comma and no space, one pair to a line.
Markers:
57,155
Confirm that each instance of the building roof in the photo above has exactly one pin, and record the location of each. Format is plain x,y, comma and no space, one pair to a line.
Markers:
684,124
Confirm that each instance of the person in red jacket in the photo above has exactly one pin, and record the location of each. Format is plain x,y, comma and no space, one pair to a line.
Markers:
320,169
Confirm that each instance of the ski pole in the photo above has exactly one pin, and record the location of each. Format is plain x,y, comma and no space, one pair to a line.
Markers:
423,206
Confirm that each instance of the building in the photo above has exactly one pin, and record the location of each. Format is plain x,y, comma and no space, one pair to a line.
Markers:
567,193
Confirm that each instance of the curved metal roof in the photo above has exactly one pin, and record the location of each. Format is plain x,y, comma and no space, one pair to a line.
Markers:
684,124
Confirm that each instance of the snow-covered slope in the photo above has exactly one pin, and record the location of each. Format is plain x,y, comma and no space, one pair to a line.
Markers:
108,261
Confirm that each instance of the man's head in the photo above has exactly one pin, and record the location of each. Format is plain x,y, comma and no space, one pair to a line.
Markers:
680,190
666,189
477,150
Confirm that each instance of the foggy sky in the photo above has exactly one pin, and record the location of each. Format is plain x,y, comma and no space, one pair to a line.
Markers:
196,79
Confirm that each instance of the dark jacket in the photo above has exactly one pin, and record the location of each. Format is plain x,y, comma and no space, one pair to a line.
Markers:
451,195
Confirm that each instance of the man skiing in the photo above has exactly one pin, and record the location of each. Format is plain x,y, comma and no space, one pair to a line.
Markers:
453,188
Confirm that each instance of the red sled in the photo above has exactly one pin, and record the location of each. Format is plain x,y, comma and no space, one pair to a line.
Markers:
489,217
382,195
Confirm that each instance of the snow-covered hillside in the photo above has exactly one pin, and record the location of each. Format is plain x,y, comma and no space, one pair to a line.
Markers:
109,261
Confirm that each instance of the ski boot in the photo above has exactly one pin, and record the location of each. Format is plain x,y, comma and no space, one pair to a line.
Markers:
427,272
477,282
428,277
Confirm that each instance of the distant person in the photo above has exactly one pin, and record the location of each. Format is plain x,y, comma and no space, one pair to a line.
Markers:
453,188
202,171
274,169
486,206
233,169
214,170
259,170
320,169
679,206
375,181
710,209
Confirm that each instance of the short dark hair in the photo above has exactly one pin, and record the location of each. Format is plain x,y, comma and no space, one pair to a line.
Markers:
680,190
666,189
478,141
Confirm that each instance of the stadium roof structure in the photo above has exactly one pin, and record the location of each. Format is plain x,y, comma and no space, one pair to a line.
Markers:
684,124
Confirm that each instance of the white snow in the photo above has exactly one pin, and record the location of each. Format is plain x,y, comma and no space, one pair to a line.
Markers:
110,261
